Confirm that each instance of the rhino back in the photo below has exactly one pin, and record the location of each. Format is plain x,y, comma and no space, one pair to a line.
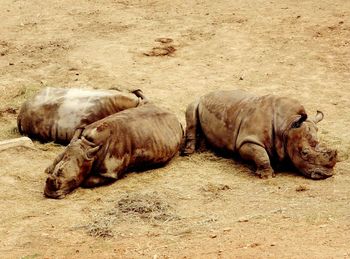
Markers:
231,118
221,114
55,113
110,103
38,116
137,137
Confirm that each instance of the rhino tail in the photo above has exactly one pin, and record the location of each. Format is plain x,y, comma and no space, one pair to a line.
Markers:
192,127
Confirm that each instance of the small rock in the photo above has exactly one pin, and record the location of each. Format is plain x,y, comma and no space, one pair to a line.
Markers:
302,188
213,236
254,245
243,220
16,142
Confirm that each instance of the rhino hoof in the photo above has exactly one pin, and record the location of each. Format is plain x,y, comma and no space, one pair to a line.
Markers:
187,151
266,174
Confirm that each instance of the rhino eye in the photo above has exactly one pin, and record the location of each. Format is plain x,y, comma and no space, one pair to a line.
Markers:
304,152
59,172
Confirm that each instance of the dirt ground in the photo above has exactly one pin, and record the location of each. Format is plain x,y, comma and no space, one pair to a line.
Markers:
204,205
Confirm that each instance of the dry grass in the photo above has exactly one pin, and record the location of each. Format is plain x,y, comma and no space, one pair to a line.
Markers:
11,100
145,208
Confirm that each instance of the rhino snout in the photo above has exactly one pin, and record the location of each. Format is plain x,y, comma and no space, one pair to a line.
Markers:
329,158
318,174
52,188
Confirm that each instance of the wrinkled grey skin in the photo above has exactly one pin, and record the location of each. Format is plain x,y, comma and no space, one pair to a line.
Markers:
136,137
259,129
54,114
312,159
70,168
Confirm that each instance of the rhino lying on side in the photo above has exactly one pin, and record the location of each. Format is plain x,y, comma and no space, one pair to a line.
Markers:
134,138
54,114
260,129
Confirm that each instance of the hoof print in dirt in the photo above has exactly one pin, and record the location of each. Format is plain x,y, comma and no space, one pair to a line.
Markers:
166,48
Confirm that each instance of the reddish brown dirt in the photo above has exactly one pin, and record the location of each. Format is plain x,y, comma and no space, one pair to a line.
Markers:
202,206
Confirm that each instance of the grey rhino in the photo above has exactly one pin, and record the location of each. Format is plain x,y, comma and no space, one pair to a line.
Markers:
134,138
259,129
54,114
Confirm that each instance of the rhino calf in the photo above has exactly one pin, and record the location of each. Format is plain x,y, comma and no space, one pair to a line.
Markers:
137,137
54,114
260,129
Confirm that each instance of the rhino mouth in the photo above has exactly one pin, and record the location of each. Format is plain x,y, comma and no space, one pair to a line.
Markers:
54,194
316,170
320,173
53,188
317,162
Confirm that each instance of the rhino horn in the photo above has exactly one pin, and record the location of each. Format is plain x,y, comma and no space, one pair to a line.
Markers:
90,153
318,117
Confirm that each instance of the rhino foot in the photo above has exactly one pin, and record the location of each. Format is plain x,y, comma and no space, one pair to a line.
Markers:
189,148
267,173
257,154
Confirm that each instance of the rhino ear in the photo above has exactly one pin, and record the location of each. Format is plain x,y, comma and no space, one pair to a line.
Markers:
318,117
91,153
300,119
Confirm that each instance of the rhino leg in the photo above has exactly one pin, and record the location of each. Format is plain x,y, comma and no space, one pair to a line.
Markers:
191,128
259,156
96,180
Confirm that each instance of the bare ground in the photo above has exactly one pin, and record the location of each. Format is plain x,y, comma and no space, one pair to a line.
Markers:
202,206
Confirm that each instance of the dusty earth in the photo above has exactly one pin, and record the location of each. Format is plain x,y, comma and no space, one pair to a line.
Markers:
202,206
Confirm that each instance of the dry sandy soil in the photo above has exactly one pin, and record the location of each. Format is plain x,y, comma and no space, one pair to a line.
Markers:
202,206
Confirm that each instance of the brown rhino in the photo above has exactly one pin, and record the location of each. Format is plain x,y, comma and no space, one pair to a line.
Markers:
260,128
134,138
54,114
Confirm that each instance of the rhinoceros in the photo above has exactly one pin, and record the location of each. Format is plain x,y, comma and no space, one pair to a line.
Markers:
260,129
139,138
54,114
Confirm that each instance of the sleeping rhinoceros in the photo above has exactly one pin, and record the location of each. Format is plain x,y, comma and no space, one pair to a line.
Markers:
260,129
54,114
134,138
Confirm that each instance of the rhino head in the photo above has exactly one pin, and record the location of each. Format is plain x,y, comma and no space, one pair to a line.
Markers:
304,150
70,168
